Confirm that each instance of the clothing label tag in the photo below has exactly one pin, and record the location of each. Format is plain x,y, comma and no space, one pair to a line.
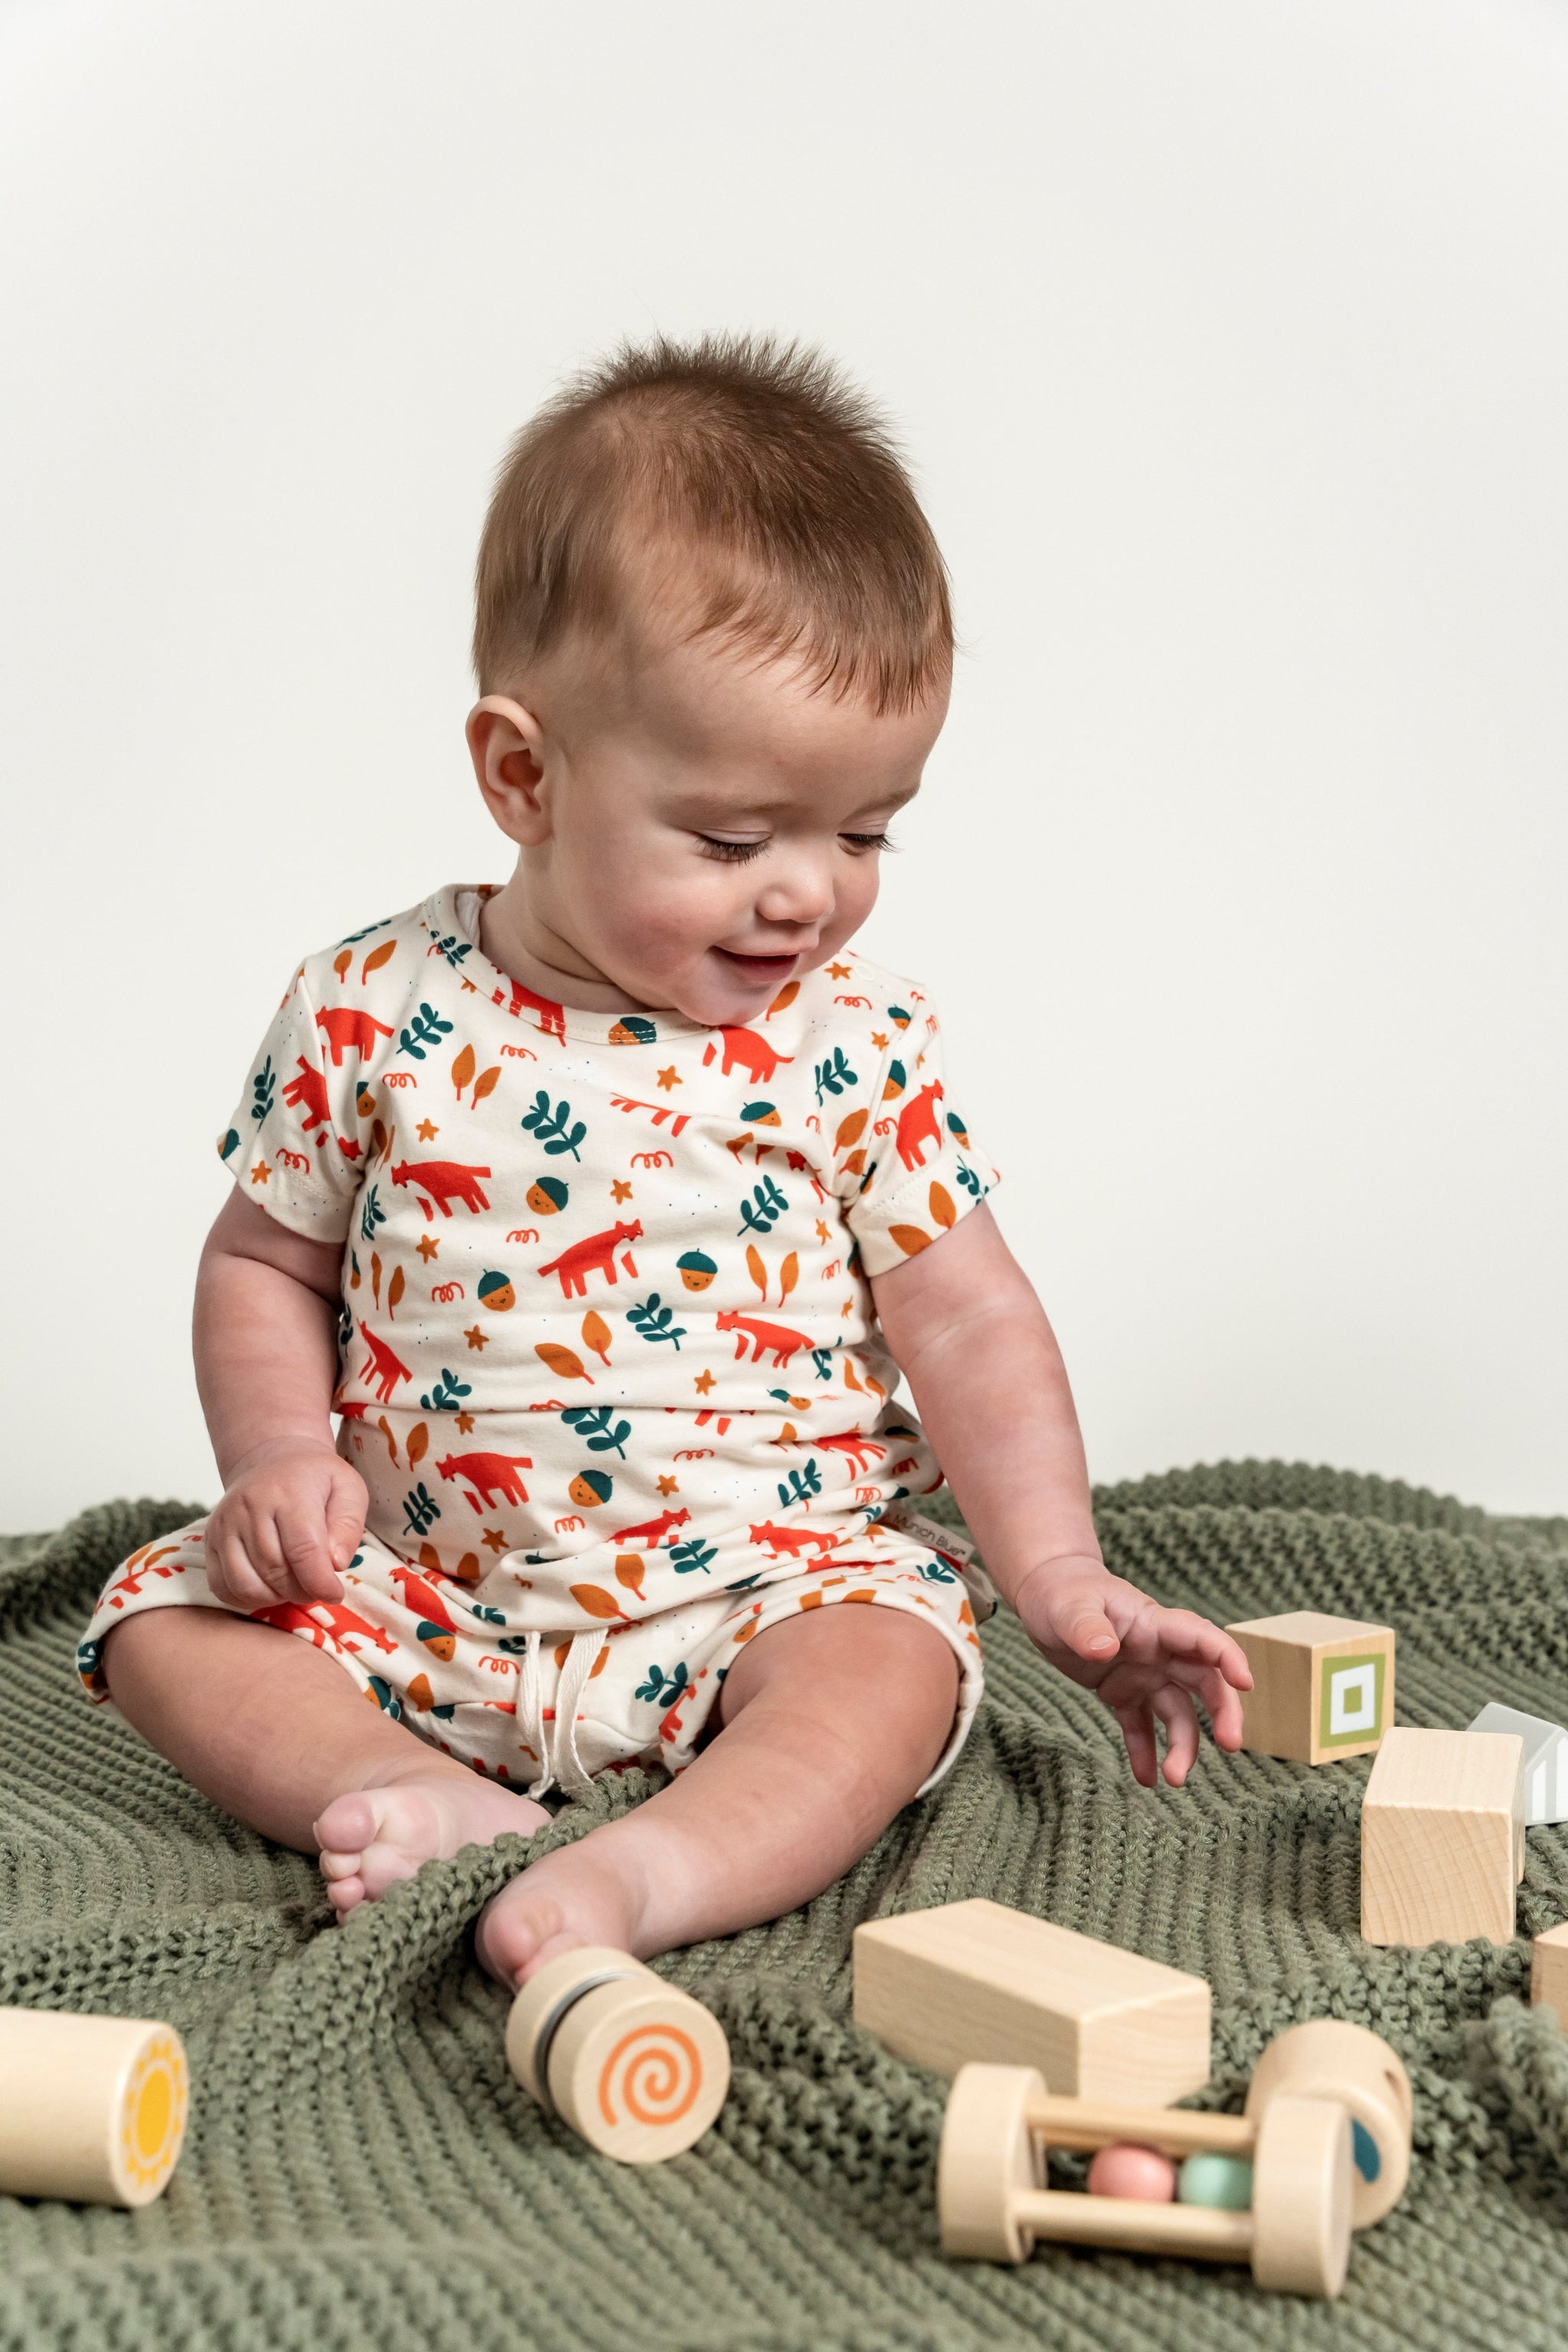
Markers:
949,1545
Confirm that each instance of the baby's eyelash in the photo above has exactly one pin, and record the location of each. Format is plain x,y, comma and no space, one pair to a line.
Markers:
730,853
870,840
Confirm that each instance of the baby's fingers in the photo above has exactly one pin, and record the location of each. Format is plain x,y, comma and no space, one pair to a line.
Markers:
1138,1730
1177,1712
231,1577
304,1545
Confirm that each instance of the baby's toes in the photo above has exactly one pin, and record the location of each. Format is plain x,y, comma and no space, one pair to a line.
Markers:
345,1894
346,1827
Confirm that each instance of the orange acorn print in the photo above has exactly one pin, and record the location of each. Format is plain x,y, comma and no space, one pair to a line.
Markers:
497,1293
697,1270
590,1489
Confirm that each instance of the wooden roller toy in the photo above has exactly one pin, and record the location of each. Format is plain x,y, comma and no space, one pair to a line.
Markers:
1327,2131
91,2108
638,2068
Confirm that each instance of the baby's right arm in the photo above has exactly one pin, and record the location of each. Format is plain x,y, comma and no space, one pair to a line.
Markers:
266,1363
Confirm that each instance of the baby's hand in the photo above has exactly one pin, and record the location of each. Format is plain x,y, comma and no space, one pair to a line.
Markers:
1144,1661
290,1519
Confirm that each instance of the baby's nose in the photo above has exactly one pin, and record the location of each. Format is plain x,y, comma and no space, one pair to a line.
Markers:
798,892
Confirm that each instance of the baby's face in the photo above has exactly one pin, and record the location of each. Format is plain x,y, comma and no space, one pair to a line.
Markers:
701,828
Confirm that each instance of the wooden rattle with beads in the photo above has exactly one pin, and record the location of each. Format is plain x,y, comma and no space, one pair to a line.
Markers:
638,2068
1326,2128
91,2108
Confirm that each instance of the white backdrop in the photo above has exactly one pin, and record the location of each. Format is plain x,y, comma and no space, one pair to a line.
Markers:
1231,343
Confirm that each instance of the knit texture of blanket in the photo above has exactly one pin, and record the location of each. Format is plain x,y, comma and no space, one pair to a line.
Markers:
363,2171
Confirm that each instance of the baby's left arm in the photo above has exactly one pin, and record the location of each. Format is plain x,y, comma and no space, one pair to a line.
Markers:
989,1386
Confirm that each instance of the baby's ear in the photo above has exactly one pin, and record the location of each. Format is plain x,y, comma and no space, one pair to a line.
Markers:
506,744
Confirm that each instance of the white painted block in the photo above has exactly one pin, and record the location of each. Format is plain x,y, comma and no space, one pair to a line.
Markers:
1545,1760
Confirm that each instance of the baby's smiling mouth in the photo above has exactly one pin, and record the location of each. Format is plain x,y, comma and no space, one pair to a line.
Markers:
760,969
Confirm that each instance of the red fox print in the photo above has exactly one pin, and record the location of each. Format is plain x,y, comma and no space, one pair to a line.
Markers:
854,1448
793,1540
595,1255
551,1017
651,1532
489,1474
343,1628
381,1365
307,1094
773,1339
348,1030
445,1180
918,1125
145,1562
744,1047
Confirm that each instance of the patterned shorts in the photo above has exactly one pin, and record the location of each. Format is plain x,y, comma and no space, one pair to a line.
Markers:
538,1708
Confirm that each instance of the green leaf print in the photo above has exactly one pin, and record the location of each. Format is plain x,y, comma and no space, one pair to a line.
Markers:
262,1086
801,1486
230,1143
420,1507
822,1358
354,937
454,949
444,1396
968,1179
428,1029
662,1689
654,1321
686,1556
598,1424
554,1127
834,1075
371,1214
763,1211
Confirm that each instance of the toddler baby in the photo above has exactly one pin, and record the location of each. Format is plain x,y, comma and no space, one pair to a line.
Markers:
605,1208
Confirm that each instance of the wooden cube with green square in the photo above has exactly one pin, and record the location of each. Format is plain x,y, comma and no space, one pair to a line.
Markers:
1323,1688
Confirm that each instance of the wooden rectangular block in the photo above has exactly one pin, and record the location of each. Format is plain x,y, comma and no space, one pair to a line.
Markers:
1545,1760
978,1980
1323,1688
1442,1830
1549,1971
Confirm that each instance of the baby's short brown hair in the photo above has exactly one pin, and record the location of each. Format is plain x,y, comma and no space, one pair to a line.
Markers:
747,472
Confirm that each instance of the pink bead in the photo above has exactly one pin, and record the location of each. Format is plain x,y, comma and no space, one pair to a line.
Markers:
1142,2174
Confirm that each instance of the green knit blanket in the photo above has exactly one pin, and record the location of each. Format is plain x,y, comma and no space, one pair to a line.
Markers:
362,2171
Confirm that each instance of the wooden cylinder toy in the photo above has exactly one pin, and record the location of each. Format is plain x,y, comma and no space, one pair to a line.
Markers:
1329,2058
993,2206
91,2108
636,2067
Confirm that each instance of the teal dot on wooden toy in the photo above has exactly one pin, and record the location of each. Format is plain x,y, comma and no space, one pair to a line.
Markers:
1223,2183
1363,2147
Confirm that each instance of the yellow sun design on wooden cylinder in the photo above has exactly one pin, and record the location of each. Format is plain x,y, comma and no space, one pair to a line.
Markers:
153,2117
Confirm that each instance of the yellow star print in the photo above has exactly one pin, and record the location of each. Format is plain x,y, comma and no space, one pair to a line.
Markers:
429,1249
837,972
493,1539
476,1337
880,1041
620,1190
426,1131
668,1486
702,1383
464,1422
671,1077
260,1172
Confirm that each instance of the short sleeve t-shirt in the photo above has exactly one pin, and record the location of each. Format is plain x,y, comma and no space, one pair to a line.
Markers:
605,1279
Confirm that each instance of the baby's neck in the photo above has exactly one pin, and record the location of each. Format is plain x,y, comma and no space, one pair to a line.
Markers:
520,942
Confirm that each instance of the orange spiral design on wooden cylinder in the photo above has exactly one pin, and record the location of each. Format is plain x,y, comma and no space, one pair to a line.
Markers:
655,2072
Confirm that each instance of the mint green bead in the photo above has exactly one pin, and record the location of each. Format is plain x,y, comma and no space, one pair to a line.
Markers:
1223,2183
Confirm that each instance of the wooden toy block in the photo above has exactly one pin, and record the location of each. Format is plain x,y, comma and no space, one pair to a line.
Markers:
1298,2135
1323,1688
977,1980
636,2067
1545,1760
1442,1837
91,2108
1549,1971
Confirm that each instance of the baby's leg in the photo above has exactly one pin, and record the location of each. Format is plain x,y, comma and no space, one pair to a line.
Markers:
273,1730
832,1719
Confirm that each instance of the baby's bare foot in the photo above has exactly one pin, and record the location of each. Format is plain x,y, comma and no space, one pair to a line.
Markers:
373,1836
585,1893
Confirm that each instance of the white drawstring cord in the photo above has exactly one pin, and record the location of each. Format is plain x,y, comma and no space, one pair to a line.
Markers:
558,1759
